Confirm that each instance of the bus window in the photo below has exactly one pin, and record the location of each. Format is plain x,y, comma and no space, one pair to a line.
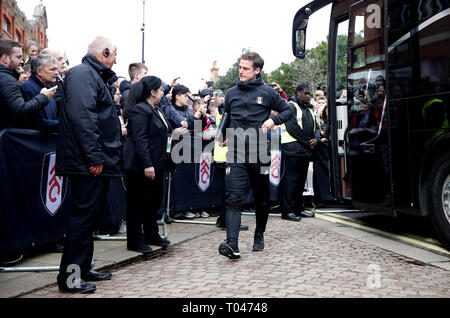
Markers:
341,62
419,46
366,34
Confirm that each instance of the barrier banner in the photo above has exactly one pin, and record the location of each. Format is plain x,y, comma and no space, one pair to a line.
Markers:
195,184
35,204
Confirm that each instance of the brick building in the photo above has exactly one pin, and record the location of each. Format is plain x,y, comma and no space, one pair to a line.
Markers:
15,26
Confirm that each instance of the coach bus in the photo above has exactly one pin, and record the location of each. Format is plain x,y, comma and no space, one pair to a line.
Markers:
390,140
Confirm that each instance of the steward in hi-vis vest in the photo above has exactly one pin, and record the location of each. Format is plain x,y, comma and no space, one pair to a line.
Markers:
299,137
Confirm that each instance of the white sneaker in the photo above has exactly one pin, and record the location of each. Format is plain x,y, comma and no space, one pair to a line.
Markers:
204,214
189,215
123,227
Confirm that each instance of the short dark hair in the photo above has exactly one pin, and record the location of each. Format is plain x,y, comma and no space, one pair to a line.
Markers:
139,92
301,87
179,90
135,68
6,46
258,61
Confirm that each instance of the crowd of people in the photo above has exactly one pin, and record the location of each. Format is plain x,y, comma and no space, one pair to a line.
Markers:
110,127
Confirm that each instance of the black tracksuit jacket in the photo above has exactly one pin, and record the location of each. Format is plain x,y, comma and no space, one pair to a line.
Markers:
249,105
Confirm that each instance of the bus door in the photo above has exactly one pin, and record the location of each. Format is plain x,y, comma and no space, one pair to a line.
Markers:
367,138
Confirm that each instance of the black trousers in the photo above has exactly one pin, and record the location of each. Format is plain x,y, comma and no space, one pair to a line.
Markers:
236,180
293,179
89,196
144,199
322,190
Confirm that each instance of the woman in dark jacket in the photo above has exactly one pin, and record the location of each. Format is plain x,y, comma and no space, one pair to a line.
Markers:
145,151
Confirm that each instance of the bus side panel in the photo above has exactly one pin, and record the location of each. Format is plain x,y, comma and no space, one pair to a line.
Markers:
418,72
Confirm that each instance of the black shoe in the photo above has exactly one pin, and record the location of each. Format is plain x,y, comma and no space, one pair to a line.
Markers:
229,250
307,214
291,217
93,276
144,249
158,241
83,288
223,227
258,245
243,228
11,259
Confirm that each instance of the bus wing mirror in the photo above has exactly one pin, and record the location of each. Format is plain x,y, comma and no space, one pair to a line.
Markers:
300,42
299,34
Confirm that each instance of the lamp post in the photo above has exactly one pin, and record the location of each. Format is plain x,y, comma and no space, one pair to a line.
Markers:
143,32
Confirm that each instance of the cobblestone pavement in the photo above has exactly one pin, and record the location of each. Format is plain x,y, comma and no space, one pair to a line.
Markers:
300,260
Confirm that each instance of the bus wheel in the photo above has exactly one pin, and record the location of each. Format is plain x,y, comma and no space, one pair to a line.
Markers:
438,197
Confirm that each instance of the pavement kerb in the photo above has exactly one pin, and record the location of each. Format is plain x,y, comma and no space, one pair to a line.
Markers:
108,255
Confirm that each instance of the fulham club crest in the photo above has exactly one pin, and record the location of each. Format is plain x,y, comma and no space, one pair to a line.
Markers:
205,171
275,168
259,100
53,188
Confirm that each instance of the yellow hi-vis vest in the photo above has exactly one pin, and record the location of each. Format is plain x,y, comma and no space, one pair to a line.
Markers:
220,153
285,136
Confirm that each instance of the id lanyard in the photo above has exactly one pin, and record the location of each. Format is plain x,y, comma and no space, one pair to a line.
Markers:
169,144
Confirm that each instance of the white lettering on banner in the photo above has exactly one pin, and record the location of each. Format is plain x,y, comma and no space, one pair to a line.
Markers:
275,168
53,185
204,179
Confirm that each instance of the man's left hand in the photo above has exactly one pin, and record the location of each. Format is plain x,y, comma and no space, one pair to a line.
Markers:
268,125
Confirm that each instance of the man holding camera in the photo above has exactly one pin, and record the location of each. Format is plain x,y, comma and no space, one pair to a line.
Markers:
14,110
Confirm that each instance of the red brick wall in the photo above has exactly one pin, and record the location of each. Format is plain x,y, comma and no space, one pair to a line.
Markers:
18,26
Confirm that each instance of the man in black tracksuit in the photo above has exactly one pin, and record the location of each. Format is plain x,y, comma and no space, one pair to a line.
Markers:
248,107
299,137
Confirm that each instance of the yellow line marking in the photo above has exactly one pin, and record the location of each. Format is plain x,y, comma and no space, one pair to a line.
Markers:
395,236
417,237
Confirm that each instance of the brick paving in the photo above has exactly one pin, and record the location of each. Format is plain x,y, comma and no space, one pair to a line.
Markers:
300,260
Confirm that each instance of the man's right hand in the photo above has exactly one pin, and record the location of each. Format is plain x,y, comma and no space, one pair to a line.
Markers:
96,170
150,173
49,92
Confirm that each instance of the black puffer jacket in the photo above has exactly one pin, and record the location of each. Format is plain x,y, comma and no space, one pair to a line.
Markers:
89,130
14,111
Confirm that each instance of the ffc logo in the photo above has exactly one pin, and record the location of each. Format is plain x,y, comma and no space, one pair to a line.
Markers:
204,176
259,100
275,168
53,188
